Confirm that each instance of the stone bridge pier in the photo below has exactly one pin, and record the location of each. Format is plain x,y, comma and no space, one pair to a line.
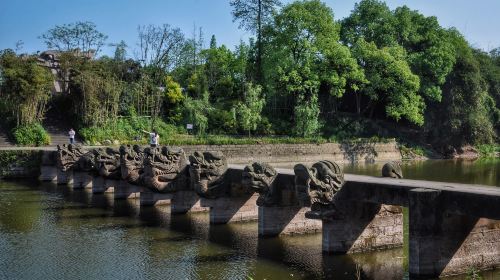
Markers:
64,177
280,212
234,204
82,180
126,190
361,227
102,185
452,227
48,169
444,242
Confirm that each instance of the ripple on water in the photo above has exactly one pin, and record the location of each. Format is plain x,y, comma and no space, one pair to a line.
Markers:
57,233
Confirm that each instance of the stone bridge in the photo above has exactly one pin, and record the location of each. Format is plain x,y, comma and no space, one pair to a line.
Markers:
452,227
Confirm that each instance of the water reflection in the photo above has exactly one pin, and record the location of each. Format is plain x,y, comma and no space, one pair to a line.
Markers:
54,232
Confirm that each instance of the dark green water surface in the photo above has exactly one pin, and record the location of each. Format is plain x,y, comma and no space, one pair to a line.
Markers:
54,232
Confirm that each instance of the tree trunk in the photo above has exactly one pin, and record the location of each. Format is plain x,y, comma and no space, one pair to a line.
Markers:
358,103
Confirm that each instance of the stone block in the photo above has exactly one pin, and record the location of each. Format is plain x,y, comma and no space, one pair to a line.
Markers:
82,180
361,227
443,244
232,209
275,221
64,177
186,201
125,190
99,185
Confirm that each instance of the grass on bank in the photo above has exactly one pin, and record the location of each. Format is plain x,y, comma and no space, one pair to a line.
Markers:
130,131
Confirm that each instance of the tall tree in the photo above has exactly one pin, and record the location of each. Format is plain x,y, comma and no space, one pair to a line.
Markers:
249,111
253,15
392,84
83,36
371,20
430,53
121,51
159,47
305,55
462,117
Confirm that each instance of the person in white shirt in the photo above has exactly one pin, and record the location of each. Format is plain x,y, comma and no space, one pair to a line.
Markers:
71,134
154,138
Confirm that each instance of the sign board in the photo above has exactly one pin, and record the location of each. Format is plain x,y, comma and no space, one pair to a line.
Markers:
189,126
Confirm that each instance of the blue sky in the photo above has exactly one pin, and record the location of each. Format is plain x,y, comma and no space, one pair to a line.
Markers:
25,20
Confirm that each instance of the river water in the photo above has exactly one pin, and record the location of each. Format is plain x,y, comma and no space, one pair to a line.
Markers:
54,232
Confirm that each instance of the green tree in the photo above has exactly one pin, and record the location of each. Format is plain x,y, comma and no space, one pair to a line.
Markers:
253,16
429,48
490,71
96,92
306,112
391,81
121,51
249,111
462,117
306,55
83,36
371,20
173,100
219,63
196,112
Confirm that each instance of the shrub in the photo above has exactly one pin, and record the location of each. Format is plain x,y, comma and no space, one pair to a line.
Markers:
222,122
31,135
488,150
127,130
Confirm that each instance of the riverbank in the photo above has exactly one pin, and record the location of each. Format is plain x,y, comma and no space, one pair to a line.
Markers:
23,163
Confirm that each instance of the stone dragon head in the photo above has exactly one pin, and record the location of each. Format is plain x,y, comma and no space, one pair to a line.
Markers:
259,177
392,169
131,163
207,171
317,184
67,156
108,163
165,169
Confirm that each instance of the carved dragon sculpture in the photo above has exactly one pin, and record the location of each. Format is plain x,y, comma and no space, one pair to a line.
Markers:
165,169
259,177
132,164
317,185
207,171
108,163
392,169
67,157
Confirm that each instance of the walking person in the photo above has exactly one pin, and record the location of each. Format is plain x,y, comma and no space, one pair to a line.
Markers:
154,138
71,134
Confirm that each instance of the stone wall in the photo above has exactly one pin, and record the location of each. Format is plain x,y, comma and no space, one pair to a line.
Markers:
305,153
20,164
